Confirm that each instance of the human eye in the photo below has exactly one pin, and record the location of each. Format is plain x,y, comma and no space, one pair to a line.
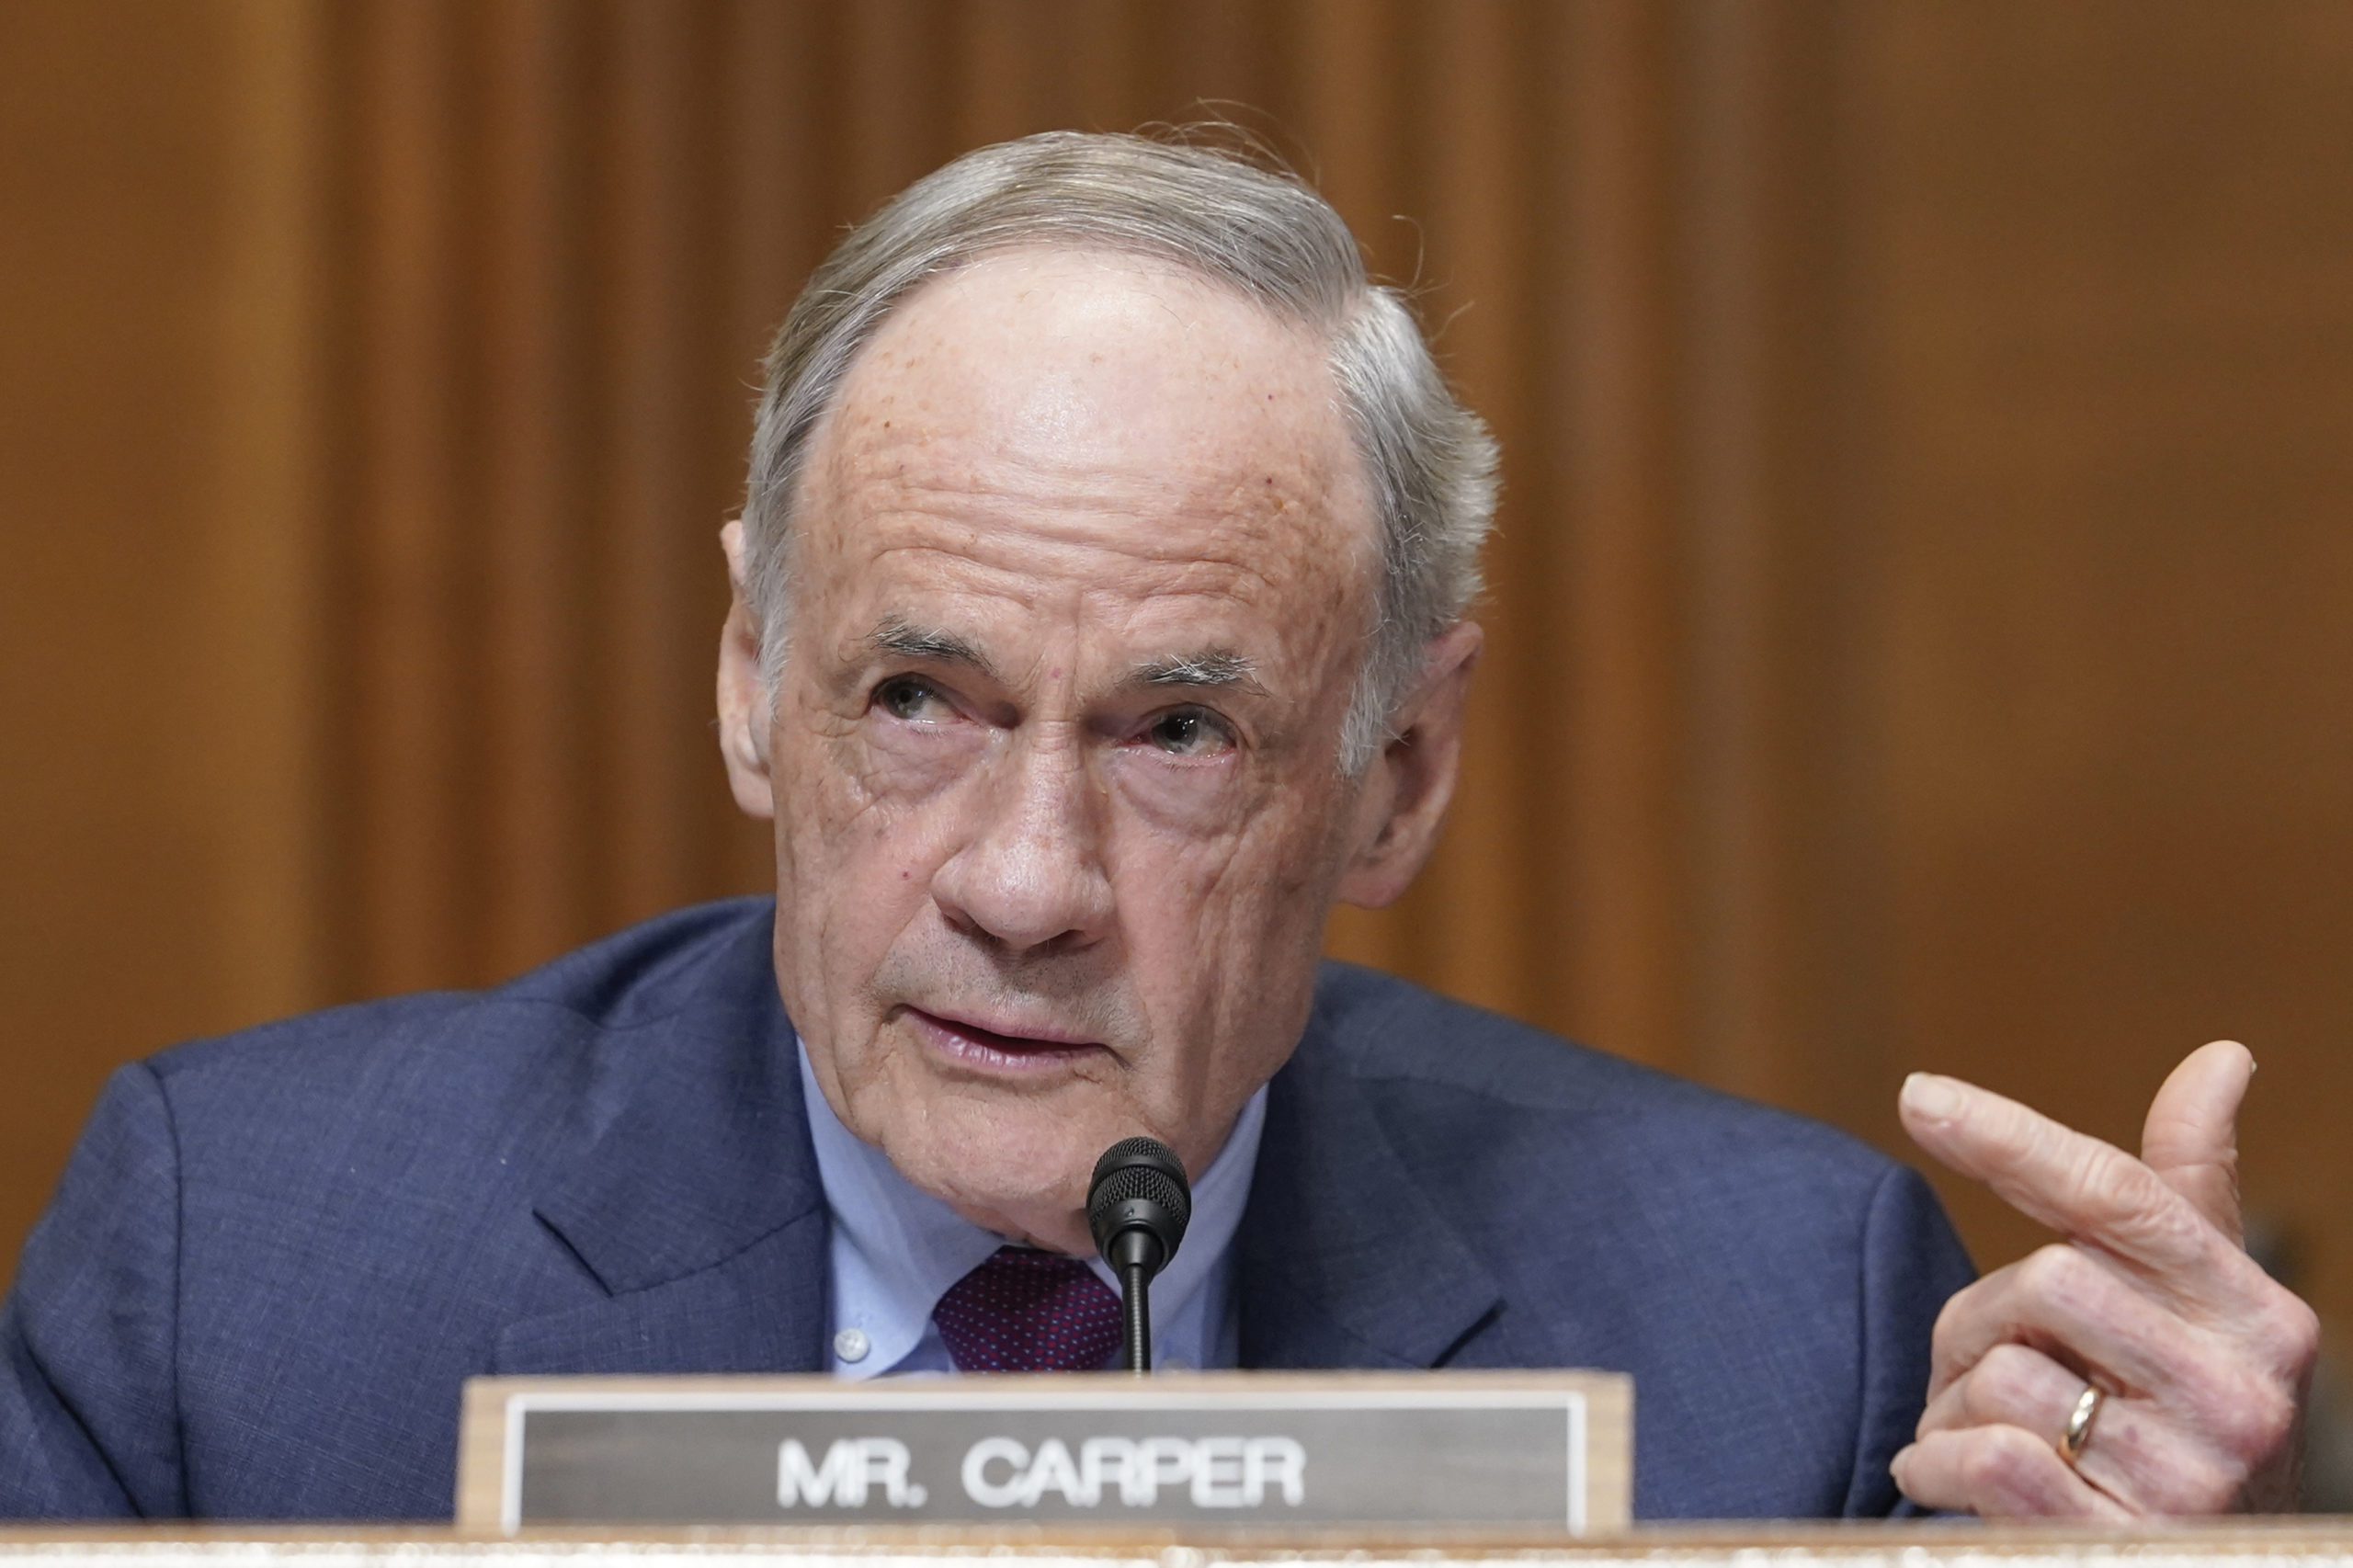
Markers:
912,699
1189,732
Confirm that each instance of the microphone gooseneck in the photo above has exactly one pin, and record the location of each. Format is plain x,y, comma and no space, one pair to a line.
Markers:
1138,1205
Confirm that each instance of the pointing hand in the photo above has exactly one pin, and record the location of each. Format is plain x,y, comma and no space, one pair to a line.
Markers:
2201,1361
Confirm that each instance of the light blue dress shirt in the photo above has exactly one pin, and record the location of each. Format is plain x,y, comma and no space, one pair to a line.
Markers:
895,1250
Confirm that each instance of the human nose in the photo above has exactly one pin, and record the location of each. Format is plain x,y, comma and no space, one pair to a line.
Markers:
1031,877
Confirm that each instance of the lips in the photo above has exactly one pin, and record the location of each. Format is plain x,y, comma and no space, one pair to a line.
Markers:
971,1044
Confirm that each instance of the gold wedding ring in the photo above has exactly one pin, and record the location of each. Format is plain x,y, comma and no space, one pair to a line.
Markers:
2078,1430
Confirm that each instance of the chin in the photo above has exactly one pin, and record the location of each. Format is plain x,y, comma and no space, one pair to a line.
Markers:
1028,1165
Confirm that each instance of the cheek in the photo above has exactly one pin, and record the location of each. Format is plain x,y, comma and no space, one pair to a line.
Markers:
863,812
1183,803
1225,839
898,765
854,783
1213,918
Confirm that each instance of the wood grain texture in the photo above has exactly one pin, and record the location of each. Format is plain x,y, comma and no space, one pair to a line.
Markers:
161,748
1922,619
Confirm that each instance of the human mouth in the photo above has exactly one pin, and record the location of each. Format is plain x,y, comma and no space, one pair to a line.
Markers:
1027,1049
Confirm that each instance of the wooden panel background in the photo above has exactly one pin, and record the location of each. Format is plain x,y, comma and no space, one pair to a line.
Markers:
1923,617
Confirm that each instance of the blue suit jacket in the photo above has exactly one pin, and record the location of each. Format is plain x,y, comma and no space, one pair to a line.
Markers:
275,1257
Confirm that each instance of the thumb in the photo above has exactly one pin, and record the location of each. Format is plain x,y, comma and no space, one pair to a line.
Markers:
2191,1137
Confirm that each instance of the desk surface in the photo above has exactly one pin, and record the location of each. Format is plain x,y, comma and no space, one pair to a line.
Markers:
1764,1545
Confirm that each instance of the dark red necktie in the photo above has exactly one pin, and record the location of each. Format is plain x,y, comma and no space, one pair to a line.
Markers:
1030,1312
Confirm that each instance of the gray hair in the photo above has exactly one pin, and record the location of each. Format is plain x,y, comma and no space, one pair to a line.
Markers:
1430,461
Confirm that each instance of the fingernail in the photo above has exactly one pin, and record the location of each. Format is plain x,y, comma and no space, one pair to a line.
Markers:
1927,1095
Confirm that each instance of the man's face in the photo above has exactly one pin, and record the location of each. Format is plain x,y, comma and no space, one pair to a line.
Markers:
1084,575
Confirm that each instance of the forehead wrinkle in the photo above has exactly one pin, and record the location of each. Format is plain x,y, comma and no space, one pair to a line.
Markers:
1218,520
973,489
1220,566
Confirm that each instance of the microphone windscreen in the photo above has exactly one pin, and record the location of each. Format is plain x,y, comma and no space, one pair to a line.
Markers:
1140,1181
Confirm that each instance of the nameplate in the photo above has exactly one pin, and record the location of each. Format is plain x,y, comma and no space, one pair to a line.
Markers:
1531,1451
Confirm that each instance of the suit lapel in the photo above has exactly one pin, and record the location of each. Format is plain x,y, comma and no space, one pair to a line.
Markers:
697,1207
1343,1260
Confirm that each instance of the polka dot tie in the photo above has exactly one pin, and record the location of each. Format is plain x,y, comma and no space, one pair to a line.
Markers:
1030,1312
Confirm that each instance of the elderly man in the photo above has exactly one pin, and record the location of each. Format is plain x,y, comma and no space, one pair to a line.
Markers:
1099,623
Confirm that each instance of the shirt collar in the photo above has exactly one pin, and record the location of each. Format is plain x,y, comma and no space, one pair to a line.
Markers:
897,1249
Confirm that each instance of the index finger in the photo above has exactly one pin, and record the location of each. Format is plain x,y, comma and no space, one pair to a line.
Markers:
2086,1190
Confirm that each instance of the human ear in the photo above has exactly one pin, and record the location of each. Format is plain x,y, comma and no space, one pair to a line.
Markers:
1402,802
744,704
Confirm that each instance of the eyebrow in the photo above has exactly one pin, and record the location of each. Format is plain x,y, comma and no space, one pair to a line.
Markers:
902,639
1210,667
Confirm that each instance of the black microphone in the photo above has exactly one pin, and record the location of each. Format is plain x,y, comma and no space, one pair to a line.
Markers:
1138,1206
